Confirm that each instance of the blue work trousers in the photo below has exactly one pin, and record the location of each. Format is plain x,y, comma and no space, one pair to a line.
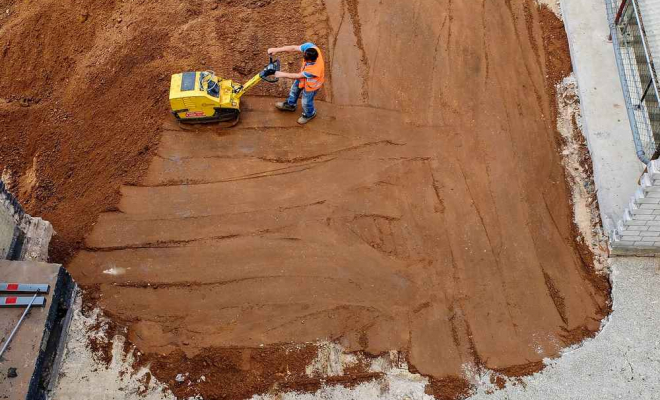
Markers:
307,99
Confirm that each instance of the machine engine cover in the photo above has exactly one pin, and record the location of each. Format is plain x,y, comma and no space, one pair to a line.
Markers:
193,103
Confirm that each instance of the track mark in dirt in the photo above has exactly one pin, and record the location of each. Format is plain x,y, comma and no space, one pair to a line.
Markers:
454,329
519,41
552,217
435,66
436,189
195,284
485,40
388,218
479,214
385,241
496,258
257,175
183,243
330,311
351,6
450,16
530,23
373,63
472,346
294,160
556,296
336,34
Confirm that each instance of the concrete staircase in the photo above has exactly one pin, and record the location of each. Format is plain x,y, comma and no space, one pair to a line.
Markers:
638,232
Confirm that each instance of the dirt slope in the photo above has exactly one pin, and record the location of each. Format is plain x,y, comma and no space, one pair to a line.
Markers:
85,91
425,210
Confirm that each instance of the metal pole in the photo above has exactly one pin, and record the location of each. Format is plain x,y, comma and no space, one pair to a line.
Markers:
618,14
646,91
11,335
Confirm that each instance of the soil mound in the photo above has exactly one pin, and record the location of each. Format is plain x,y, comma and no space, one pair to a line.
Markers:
86,83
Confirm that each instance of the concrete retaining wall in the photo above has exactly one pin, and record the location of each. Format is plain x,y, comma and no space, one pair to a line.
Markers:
22,237
638,232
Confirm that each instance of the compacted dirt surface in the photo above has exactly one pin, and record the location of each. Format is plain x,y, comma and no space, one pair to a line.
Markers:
424,210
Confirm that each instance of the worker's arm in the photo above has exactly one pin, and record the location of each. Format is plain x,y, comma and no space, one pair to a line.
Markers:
290,75
275,50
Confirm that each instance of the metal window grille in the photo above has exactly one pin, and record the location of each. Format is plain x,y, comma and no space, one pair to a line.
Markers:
636,70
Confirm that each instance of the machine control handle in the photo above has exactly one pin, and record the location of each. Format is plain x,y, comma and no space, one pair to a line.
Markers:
268,72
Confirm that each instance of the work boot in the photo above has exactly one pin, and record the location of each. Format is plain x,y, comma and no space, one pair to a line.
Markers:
303,119
284,106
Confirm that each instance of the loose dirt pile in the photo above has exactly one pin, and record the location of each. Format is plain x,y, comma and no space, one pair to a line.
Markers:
425,210
85,90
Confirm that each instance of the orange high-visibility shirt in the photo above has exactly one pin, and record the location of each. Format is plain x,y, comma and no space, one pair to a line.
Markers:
314,71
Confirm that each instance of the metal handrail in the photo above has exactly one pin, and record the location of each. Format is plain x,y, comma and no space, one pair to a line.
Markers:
649,60
639,147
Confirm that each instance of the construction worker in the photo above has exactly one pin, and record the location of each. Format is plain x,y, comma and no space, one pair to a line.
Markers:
307,82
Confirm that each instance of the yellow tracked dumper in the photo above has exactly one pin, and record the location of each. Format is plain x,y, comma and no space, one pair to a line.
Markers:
203,97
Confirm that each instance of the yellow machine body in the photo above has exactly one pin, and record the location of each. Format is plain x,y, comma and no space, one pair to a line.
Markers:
198,97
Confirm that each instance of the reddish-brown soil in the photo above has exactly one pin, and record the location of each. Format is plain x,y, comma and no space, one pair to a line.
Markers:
425,210
85,89
271,369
